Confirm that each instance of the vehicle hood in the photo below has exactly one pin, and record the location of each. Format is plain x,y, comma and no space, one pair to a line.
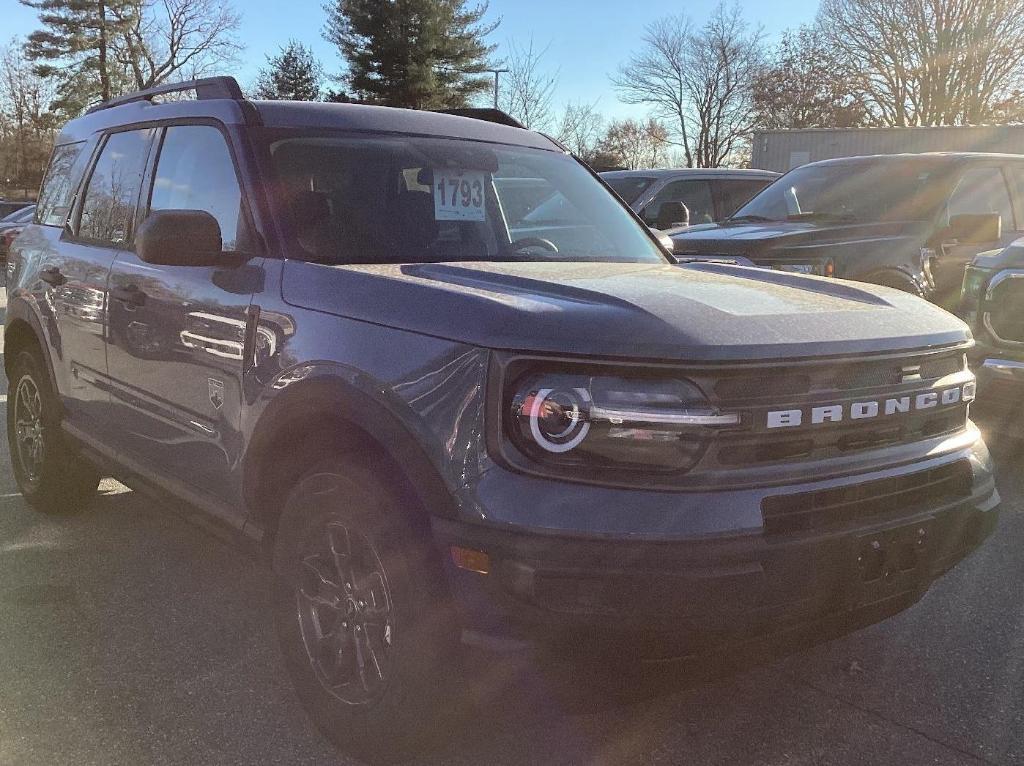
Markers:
795,240
1011,257
693,312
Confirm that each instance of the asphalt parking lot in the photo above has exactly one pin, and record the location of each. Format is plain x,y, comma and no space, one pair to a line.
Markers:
131,635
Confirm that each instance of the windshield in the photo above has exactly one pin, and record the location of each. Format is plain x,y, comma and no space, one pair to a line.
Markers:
425,200
889,190
629,187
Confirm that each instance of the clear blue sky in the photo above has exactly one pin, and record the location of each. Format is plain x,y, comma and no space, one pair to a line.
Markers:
588,38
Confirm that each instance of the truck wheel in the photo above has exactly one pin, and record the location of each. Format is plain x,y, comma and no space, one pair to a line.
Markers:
898,282
52,478
362,613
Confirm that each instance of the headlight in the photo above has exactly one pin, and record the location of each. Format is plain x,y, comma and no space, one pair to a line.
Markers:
974,283
826,268
594,422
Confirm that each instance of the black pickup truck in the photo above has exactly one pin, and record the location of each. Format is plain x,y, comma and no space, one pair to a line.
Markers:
993,304
910,221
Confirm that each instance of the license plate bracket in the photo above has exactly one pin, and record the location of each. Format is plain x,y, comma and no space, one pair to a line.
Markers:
890,562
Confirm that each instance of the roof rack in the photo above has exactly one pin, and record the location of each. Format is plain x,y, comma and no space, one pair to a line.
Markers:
486,114
206,87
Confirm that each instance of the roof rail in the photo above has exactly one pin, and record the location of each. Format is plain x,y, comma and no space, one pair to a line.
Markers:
206,87
487,114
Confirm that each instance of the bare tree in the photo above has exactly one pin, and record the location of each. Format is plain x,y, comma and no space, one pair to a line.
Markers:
657,75
177,39
804,86
635,144
527,88
930,62
725,58
26,124
580,129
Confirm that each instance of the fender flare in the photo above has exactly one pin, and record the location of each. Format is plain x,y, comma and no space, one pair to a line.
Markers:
21,315
331,396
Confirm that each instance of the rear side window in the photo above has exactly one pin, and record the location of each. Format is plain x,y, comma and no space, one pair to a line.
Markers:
1015,175
982,190
111,196
58,189
733,194
696,195
195,172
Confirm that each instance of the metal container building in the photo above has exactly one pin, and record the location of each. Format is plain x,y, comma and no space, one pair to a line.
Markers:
782,150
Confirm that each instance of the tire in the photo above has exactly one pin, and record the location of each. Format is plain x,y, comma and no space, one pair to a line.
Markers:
357,583
52,478
898,282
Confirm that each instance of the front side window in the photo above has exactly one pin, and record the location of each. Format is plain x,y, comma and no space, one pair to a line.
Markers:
62,176
887,189
696,195
195,172
108,208
982,190
426,200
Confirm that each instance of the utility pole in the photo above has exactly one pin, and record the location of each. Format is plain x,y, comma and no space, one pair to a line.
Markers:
496,72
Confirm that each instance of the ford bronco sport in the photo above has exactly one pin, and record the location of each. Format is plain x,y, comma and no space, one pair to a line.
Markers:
321,324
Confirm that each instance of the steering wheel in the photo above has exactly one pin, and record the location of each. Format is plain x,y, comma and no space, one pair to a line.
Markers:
525,242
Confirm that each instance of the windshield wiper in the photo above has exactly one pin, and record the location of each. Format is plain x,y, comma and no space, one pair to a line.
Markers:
749,219
815,216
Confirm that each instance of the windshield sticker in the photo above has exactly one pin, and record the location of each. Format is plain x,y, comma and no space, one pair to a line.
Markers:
459,196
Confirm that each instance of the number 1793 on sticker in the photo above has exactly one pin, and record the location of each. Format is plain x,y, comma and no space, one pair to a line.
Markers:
460,196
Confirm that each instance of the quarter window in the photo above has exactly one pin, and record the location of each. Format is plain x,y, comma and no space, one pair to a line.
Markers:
108,209
982,190
58,187
195,172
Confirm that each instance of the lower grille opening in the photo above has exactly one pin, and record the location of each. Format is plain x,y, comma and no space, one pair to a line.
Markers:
785,514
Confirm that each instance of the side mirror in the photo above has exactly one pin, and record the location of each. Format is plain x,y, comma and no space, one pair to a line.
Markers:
665,240
975,228
180,238
672,215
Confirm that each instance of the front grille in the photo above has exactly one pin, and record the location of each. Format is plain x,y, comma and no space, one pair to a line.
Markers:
1006,311
826,444
786,514
837,377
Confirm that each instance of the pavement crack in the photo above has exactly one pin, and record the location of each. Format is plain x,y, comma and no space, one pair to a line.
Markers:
883,717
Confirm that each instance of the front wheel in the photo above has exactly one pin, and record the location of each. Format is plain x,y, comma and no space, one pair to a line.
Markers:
51,477
362,614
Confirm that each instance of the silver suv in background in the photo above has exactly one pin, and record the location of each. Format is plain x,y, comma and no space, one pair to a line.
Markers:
710,194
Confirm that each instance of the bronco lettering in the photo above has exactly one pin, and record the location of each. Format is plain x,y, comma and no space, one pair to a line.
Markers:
836,413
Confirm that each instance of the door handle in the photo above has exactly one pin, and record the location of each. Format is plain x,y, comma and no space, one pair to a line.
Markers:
52,276
130,295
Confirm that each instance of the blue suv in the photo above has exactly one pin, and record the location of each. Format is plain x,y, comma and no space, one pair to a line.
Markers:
345,332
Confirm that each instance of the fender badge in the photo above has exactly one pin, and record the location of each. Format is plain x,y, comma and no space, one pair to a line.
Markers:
216,392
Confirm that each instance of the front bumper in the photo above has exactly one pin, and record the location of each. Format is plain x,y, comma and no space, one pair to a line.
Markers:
690,594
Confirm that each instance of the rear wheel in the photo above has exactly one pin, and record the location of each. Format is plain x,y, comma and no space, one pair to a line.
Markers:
51,476
365,624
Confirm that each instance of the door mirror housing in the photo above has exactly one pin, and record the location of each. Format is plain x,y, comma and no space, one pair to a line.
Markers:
672,215
180,238
975,228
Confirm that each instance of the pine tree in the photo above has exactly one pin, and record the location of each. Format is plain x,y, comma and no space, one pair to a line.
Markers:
76,43
421,54
293,75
